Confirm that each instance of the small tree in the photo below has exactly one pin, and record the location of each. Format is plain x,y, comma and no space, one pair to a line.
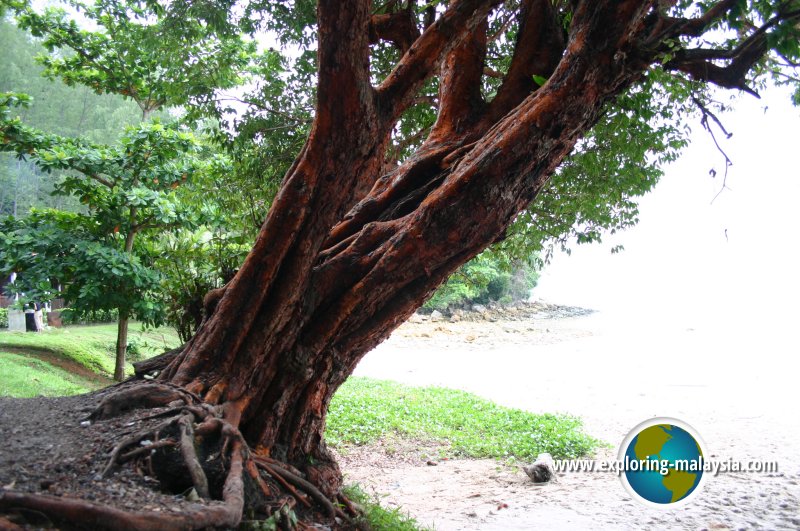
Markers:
127,190
142,55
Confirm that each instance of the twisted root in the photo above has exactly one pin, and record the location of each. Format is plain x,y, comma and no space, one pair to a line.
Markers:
142,396
187,419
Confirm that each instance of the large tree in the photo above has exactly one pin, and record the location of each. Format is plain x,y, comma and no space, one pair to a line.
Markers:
355,242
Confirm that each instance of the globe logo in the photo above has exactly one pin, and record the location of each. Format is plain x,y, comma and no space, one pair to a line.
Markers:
663,461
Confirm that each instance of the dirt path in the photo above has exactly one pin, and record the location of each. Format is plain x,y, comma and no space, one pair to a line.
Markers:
735,387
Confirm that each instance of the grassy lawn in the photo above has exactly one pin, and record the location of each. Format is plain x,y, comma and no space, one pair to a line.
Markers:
364,410
92,346
23,376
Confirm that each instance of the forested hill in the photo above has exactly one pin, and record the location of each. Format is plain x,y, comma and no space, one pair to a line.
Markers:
57,108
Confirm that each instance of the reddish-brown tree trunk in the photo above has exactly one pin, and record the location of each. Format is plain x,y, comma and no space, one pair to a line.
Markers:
347,254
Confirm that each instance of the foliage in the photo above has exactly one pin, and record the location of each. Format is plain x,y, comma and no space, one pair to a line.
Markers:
96,277
71,111
283,518
364,410
378,517
66,111
262,141
131,51
127,189
622,157
487,277
3,317
71,317
192,263
25,376
140,53
91,346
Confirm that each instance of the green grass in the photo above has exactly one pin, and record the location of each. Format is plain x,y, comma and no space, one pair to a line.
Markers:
23,377
92,346
364,410
380,518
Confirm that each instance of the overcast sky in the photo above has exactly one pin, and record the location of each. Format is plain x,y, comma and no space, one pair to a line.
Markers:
697,262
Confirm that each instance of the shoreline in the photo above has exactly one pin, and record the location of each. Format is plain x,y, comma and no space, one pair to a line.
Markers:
613,377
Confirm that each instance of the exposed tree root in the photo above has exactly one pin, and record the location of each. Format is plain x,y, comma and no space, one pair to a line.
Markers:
252,470
298,482
210,450
288,486
8,525
144,450
143,395
190,456
136,438
156,364
95,516
352,509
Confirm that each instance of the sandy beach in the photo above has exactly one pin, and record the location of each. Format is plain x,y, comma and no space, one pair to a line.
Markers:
736,386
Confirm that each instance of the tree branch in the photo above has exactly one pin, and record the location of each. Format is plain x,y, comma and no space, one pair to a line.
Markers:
460,96
399,28
423,99
538,50
695,27
416,137
789,62
491,72
419,62
697,62
260,105
707,113
105,182
787,76
430,16
503,28
344,87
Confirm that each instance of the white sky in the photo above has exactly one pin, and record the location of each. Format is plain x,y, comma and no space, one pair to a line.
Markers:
678,264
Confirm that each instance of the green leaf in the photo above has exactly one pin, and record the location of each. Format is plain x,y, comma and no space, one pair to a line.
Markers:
539,80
